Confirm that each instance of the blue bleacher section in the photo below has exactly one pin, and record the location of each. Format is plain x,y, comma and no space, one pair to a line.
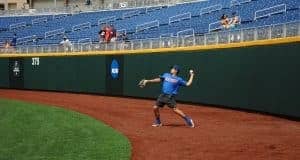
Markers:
128,19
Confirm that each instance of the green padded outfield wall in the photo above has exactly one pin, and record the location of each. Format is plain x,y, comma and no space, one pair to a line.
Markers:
74,74
259,78
4,78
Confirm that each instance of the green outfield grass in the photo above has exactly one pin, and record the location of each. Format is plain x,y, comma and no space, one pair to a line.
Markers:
38,132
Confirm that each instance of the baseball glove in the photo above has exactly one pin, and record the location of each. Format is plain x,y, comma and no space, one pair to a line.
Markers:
142,83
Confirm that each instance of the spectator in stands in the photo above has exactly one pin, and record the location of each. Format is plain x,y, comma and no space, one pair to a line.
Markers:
88,2
77,9
7,46
113,33
67,3
225,21
108,34
235,19
101,35
66,44
124,37
14,41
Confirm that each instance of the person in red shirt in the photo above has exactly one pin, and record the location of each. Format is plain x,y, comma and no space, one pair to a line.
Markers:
108,34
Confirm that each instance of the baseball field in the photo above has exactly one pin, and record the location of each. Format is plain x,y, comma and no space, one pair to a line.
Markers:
33,131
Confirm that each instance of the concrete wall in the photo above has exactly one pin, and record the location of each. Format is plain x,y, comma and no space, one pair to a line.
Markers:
11,3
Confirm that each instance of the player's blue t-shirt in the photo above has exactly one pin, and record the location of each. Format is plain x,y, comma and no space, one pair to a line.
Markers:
171,83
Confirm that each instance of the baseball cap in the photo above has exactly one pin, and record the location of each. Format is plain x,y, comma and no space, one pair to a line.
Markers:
176,67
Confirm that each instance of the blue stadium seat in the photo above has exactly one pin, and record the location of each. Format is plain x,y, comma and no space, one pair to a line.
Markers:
200,23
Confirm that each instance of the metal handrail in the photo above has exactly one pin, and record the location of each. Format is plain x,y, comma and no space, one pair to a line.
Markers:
106,20
238,2
54,32
210,9
39,20
179,17
81,26
17,25
141,28
271,13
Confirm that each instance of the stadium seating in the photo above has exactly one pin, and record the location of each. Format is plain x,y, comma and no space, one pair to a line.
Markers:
153,22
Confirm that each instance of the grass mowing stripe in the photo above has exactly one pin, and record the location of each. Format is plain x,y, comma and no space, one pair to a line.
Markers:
38,132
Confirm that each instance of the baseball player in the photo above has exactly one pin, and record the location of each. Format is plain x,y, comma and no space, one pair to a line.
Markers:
170,85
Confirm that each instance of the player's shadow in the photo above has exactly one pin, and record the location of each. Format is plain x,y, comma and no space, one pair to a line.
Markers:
174,125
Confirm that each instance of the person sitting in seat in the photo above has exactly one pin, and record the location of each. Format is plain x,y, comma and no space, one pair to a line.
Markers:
225,21
101,35
88,2
66,44
124,37
234,20
108,34
7,46
13,42
113,33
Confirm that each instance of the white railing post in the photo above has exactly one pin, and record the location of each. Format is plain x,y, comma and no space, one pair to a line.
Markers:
255,34
194,40
270,32
298,28
151,44
141,44
132,47
229,35
284,31
242,35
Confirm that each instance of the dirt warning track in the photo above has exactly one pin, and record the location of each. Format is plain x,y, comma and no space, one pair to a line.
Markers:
219,134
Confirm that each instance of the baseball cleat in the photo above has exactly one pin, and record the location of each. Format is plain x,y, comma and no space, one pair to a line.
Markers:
190,123
156,125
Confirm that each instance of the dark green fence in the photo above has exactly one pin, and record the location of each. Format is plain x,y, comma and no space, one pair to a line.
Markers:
4,76
260,78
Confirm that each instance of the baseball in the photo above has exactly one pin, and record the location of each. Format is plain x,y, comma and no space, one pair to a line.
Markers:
191,71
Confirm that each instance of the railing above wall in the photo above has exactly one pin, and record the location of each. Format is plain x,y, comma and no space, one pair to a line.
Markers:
291,29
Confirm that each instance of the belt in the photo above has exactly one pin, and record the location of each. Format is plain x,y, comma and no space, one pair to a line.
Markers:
169,95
